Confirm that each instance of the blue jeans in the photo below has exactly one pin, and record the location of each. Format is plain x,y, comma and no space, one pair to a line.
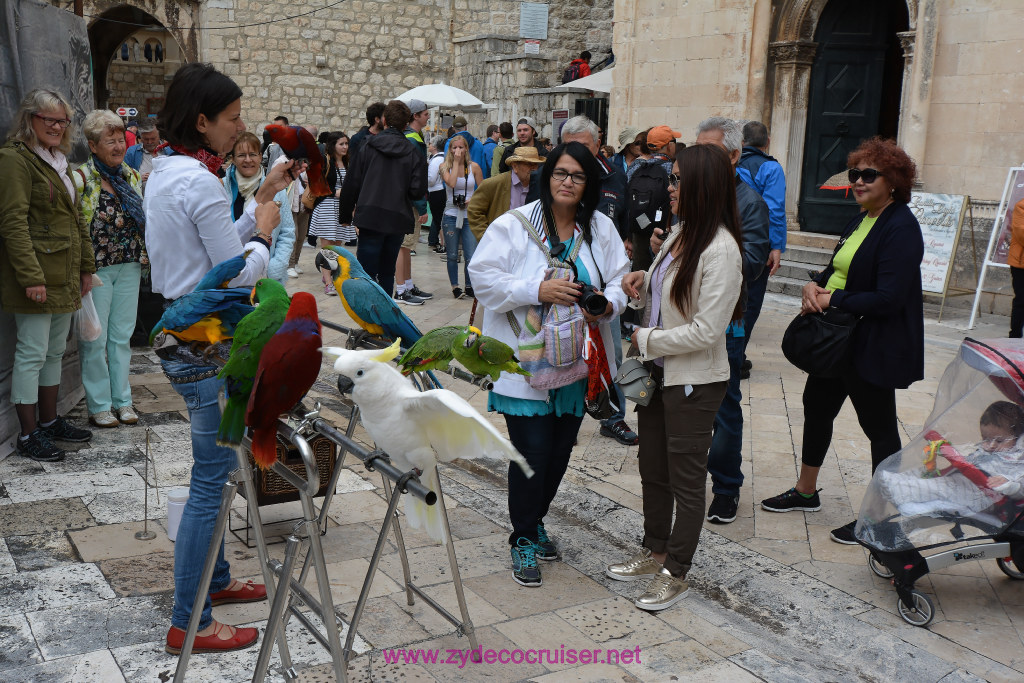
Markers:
211,465
453,234
755,298
377,254
620,400
726,454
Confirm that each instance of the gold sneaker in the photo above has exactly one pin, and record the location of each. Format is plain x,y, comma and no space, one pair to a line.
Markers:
640,566
662,592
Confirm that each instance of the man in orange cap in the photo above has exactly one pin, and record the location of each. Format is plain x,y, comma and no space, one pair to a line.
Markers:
662,140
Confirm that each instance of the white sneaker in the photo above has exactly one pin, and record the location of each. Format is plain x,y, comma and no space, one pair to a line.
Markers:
104,419
126,415
292,272
298,269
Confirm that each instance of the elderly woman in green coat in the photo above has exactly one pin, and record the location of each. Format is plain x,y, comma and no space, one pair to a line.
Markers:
46,266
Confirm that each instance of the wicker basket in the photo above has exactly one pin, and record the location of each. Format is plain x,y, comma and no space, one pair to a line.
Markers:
272,489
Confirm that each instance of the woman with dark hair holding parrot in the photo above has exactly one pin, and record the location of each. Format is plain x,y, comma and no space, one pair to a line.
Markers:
189,228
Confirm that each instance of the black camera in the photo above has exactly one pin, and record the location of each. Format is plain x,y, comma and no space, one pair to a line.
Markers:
459,201
592,301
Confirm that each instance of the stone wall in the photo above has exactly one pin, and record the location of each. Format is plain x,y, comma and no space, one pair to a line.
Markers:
677,63
327,67
138,81
976,117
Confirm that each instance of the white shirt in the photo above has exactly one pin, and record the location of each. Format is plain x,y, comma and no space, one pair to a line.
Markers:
434,180
508,267
189,228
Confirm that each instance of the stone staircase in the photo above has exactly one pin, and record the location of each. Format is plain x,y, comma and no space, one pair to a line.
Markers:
804,251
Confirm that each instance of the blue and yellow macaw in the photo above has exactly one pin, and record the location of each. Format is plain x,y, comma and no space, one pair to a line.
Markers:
211,311
371,307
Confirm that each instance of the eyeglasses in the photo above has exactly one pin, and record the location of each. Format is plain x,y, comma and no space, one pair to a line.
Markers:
997,441
868,175
50,123
560,174
673,180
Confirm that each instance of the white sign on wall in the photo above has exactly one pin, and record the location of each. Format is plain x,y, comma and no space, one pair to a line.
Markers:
533,20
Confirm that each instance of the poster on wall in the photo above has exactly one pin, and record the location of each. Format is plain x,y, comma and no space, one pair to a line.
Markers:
940,217
1016,190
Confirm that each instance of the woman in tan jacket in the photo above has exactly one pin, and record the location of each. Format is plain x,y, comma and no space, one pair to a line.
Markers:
688,296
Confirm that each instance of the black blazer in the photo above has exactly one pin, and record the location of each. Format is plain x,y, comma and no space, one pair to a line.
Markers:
883,286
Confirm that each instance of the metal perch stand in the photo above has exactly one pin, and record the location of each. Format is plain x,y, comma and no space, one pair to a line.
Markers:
288,595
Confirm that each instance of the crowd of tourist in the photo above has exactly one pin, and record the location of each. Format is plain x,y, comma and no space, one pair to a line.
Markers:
677,241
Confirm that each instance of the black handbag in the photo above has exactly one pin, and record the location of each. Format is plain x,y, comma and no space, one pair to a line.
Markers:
821,344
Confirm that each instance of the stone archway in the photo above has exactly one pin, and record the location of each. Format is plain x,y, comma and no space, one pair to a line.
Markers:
791,53
112,22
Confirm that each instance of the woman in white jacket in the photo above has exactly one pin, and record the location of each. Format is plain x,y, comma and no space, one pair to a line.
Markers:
508,271
689,295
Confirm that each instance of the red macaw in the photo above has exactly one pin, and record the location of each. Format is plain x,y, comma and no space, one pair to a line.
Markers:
298,143
289,365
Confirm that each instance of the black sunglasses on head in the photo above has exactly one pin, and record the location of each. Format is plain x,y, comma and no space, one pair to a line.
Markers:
869,175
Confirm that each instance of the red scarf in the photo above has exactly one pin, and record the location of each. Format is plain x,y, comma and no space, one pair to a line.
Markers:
203,156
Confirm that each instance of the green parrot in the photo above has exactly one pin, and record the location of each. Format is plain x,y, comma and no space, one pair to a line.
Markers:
432,351
485,355
252,333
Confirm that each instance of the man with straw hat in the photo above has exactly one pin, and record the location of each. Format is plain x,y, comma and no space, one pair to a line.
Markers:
503,192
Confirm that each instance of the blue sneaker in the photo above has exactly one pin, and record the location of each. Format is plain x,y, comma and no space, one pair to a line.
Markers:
545,549
524,564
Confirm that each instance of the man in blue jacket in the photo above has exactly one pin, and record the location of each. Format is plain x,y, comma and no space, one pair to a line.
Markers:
764,174
489,145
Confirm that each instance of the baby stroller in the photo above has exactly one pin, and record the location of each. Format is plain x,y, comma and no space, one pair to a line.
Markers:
956,488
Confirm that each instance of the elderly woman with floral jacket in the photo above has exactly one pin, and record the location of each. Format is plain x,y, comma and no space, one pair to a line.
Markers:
110,206
46,262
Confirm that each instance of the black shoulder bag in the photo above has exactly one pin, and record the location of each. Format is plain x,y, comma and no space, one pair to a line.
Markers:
820,344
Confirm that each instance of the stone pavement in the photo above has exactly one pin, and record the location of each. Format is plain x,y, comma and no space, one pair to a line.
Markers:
772,597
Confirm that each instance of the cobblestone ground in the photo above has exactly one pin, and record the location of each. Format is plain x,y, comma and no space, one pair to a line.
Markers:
772,597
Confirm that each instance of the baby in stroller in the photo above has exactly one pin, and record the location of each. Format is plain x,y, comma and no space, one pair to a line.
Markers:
999,456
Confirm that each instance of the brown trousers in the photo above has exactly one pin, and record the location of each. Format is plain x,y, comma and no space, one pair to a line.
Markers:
675,435
301,230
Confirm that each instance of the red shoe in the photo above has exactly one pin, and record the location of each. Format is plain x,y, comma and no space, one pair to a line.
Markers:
249,592
243,638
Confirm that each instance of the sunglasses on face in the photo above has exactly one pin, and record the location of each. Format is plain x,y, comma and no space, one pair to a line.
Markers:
868,175
673,180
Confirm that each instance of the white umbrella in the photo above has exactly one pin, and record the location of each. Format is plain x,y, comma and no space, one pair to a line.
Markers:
599,82
441,95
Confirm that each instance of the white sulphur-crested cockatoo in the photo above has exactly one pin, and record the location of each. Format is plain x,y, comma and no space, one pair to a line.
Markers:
417,428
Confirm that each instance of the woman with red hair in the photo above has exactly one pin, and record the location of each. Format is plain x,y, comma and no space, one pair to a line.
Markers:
875,274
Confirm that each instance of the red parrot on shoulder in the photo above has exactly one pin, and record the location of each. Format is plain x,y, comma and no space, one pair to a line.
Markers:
298,143
288,366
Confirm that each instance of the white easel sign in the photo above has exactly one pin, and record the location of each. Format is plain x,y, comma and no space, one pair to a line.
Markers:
999,241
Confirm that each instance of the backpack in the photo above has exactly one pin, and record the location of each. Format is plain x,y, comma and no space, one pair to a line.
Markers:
572,73
647,201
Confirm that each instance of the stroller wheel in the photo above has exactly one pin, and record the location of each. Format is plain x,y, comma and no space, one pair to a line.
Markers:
1008,567
922,611
879,569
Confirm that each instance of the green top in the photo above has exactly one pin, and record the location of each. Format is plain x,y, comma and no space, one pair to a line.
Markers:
841,262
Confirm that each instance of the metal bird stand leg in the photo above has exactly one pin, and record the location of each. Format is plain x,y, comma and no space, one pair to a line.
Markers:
243,476
294,592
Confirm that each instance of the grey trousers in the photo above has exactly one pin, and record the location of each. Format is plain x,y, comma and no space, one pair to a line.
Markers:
675,435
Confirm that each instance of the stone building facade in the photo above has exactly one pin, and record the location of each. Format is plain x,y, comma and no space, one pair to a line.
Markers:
140,82
948,86
325,67
960,107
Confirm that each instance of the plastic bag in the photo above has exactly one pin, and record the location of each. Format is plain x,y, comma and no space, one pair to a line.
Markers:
87,320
